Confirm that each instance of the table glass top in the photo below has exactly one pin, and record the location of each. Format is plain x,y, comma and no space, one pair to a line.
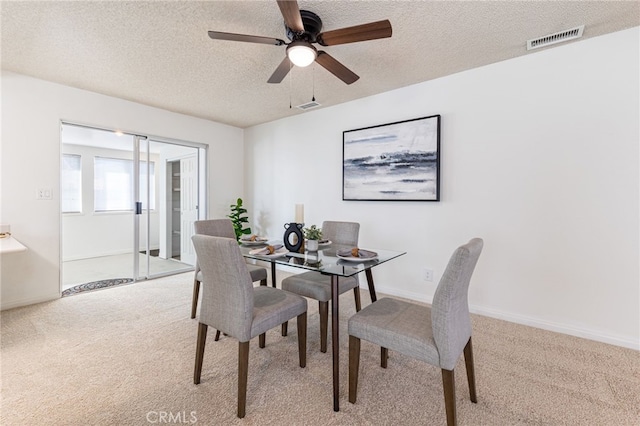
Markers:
325,260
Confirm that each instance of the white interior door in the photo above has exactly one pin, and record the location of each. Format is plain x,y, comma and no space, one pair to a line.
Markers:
188,206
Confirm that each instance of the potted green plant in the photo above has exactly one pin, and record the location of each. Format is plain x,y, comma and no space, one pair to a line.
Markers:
312,235
238,219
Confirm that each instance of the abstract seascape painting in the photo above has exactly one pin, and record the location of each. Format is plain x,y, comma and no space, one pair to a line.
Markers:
393,162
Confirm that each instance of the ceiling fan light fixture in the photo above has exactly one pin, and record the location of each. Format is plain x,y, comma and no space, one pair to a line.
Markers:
301,53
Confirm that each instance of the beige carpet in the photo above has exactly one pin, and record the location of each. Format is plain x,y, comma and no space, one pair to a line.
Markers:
125,355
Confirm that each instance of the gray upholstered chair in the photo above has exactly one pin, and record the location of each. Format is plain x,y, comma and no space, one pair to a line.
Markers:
317,286
436,335
232,304
219,228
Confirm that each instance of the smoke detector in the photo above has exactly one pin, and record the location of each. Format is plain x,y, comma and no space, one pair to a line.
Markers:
554,38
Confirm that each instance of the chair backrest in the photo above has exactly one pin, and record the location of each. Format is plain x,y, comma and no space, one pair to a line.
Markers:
227,296
450,308
341,232
215,227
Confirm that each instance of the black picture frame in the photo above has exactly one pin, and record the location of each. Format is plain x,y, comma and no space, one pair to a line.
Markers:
397,161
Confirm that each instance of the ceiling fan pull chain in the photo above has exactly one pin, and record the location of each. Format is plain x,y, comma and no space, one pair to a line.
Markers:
290,82
313,84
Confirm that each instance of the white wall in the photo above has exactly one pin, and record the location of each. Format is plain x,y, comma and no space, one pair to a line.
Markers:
31,113
539,157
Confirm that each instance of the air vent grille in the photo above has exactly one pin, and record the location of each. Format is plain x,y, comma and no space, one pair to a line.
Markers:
554,38
308,105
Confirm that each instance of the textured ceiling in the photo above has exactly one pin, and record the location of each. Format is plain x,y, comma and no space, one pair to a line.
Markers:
158,53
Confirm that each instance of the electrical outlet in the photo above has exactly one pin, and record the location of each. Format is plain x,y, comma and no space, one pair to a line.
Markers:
427,274
44,194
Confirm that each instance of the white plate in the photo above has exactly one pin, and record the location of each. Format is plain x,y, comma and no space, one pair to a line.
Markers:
257,242
278,253
356,259
328,242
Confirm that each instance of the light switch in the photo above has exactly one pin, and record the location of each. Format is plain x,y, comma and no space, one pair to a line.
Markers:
44,194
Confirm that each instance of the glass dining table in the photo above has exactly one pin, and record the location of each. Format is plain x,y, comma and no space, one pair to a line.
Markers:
327,262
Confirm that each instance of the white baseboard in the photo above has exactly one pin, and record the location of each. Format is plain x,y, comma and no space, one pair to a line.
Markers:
92,255
557,327
109,253
31,301
418,297
522,319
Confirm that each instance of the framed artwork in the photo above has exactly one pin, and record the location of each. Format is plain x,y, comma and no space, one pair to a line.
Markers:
392,162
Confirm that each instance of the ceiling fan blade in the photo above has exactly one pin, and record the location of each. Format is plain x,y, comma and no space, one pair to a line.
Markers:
218,35
336,68
281,72
291,14
371,31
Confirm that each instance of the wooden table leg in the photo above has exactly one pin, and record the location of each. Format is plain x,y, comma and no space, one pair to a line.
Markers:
335,342
372,288
273,274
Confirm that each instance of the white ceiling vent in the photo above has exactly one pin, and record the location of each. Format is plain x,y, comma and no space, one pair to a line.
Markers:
308,105
554,38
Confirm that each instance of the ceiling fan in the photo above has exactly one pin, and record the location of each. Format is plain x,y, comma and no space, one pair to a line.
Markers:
303,29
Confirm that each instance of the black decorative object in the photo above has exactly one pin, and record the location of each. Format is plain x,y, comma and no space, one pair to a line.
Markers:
293,238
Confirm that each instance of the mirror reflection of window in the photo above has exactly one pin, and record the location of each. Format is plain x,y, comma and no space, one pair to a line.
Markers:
71,183
113,184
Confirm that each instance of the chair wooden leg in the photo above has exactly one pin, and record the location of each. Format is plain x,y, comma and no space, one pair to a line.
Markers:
262,339
302,339
263,282
471,377
243,370
285,327
323,310
194,301
384,356
202,339
449,386
217,335
356,294
354,365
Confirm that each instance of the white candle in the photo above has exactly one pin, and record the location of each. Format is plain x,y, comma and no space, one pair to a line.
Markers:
299,213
